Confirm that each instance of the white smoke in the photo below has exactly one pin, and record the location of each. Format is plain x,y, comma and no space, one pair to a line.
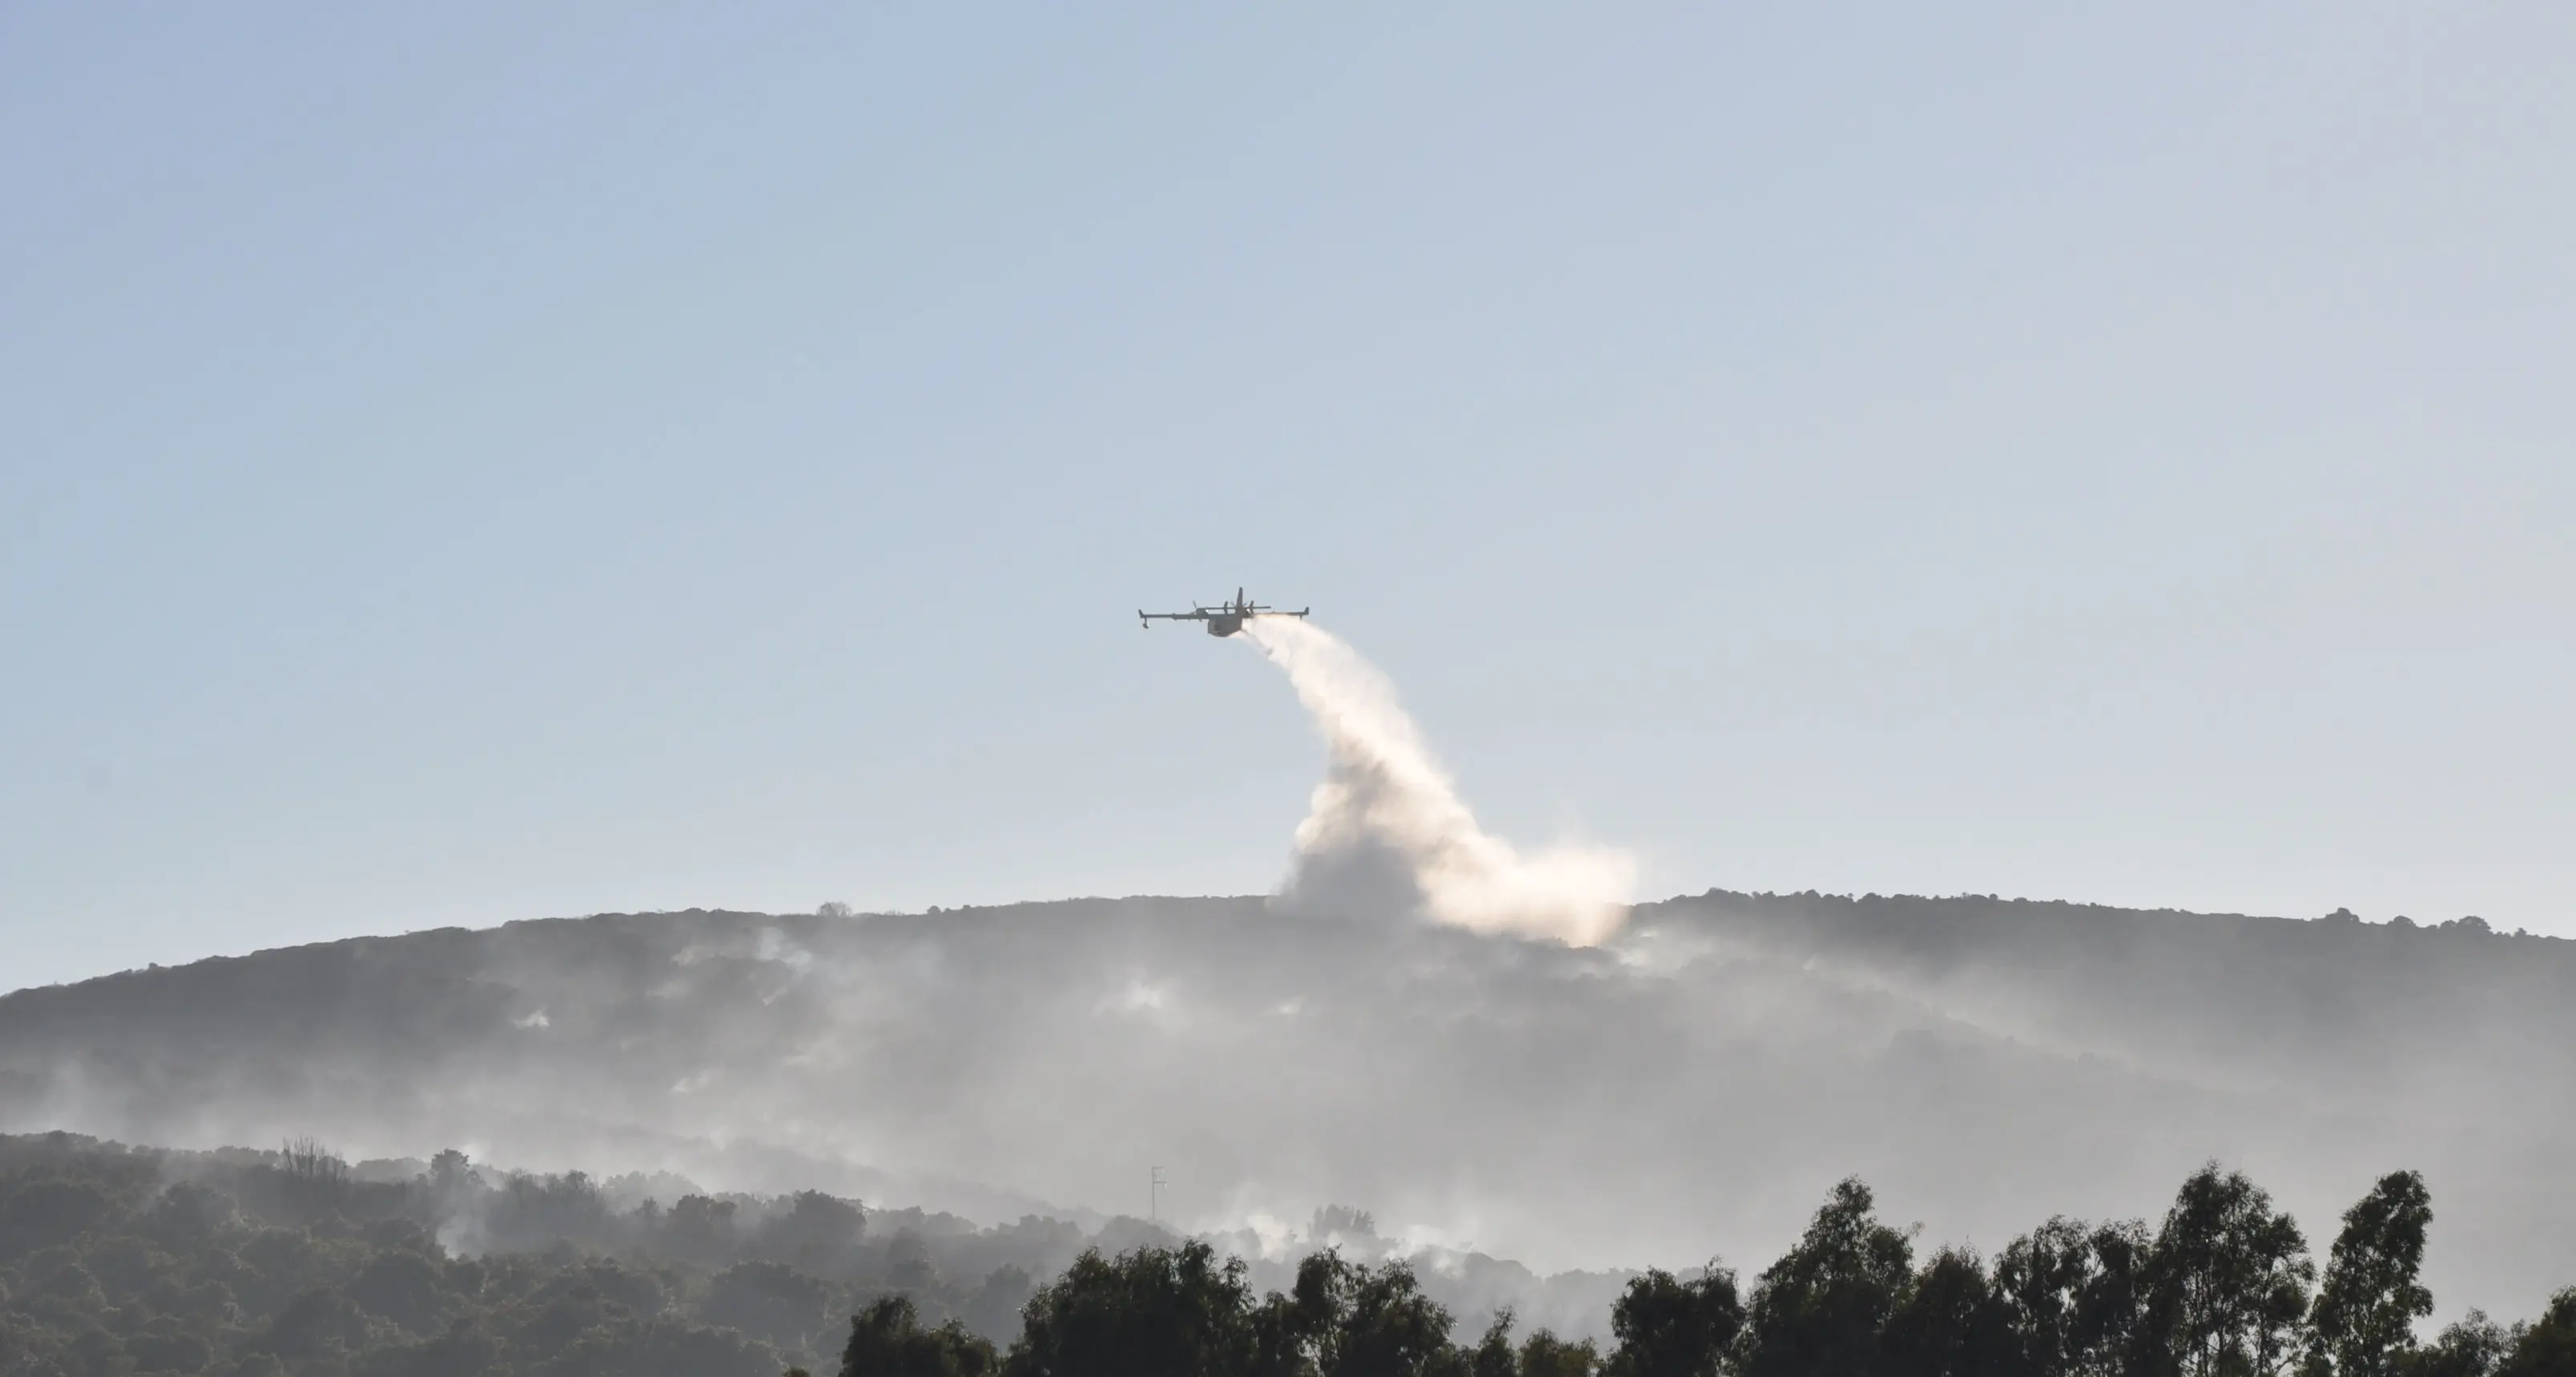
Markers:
1386,830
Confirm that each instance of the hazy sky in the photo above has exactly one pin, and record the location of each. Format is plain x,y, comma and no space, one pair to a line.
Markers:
462,463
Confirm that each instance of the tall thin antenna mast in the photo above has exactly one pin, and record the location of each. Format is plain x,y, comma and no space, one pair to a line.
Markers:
1154,1211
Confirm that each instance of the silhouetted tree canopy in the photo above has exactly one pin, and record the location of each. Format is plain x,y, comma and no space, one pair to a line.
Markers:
2363,1324
2228,1282
1667,1327
1817,1311
1950,1323
1152,1312
888,1340
2548,1348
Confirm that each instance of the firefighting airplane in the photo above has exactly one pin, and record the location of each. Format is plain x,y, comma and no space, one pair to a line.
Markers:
1224,619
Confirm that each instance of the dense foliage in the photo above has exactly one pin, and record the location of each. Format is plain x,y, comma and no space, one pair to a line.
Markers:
288,1264
115,1261
2222,1288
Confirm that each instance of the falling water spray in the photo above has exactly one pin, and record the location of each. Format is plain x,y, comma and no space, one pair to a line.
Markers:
1386,831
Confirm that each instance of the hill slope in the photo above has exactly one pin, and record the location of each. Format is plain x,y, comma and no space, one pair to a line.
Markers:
1690,1089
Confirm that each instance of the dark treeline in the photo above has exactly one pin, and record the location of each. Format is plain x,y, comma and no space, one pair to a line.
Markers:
257,1264
117,1261
2223,1287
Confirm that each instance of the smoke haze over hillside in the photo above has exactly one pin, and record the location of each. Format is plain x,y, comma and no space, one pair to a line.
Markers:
1689,1087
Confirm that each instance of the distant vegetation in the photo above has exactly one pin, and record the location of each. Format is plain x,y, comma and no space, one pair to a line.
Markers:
1988,1061
249,1264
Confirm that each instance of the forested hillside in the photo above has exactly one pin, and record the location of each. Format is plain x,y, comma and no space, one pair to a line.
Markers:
1693,1087
291,1264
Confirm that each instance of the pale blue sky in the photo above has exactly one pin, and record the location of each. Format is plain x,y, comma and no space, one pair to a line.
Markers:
464,463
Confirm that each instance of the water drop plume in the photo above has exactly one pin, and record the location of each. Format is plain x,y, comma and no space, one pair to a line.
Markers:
1386,831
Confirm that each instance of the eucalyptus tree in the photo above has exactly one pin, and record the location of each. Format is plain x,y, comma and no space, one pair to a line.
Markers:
2363,1323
